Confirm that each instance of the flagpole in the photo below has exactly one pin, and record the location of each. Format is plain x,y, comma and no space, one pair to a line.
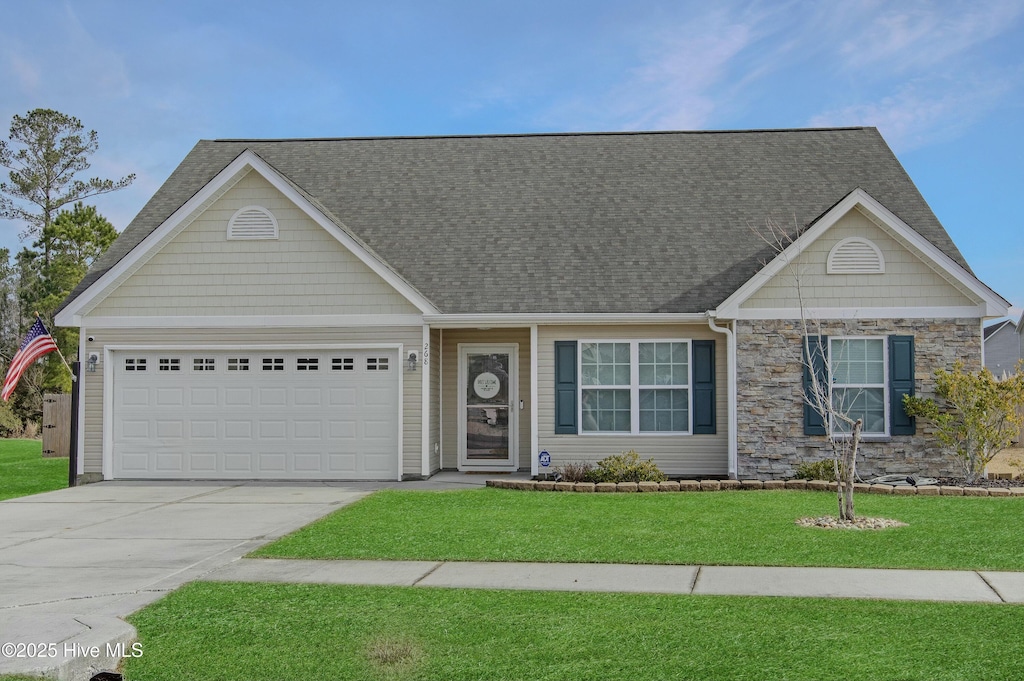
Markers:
59,353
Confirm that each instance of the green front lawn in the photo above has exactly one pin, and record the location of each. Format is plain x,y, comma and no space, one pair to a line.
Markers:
214,631
24,471
708,528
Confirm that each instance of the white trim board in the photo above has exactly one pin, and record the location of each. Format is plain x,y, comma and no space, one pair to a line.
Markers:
253,321
965,312
111,279
992,304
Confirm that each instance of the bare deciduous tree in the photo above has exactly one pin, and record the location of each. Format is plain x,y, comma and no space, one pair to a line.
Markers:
842,432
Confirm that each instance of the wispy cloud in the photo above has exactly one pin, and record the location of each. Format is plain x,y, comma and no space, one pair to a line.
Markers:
920,35
916,116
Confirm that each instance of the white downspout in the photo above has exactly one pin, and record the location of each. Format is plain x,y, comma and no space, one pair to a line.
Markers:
730,367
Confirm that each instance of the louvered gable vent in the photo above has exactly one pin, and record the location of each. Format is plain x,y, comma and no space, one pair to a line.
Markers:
252,222
855,256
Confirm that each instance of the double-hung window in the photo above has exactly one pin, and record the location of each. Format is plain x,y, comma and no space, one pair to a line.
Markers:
859,382
635,386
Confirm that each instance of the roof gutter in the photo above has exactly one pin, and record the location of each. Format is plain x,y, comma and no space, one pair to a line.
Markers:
730,339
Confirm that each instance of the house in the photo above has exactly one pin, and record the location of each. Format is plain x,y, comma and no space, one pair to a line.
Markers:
1004,346
384,308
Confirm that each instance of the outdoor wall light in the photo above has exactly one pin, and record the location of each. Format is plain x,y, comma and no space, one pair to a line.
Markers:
93,359
412,361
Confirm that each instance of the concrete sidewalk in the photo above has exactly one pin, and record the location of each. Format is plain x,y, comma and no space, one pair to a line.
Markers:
912,585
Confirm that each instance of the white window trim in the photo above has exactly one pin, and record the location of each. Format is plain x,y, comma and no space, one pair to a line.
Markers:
885,384
634,388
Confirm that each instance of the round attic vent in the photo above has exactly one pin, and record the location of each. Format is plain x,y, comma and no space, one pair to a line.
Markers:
252,222
855,256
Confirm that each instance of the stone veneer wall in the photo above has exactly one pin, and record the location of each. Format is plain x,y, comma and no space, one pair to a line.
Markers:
771,440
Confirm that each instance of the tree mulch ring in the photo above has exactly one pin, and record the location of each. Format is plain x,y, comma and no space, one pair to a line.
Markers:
858,523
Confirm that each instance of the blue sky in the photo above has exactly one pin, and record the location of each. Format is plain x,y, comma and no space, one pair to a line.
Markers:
943,81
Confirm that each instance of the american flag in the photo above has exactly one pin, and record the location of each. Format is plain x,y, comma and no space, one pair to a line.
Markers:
37,343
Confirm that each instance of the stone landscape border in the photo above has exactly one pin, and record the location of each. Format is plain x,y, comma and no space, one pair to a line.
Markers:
719,485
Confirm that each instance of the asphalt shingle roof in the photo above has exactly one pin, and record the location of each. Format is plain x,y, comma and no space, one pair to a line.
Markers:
594,223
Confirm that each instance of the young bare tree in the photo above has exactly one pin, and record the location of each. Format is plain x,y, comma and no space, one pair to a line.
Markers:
832,406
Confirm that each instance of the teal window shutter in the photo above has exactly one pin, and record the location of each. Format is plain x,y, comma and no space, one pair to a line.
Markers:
901,382
704,387
565,388
817,348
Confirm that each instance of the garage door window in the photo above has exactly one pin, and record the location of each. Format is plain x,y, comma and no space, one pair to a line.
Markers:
307,364
203,364
273,364
376,363
134,364
170,364
343,364
238,363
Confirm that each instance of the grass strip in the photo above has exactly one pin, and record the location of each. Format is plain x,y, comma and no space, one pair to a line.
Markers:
713,528
222,631
24,471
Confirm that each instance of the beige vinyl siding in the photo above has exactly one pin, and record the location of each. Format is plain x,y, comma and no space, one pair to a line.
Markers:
411,339
450,382
907,281
677,455
201,272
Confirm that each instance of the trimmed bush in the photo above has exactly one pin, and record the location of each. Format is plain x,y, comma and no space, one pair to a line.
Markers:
626,467
817,470
575,471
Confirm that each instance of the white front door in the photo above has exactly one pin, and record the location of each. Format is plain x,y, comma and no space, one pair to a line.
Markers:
488,407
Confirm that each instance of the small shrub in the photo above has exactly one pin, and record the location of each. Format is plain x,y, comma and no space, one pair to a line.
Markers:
30,431
626,467
10,425
817,470
575,471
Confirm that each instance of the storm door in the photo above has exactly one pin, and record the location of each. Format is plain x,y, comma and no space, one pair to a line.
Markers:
488,407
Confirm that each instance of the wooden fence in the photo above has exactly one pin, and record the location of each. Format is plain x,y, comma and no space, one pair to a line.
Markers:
57,425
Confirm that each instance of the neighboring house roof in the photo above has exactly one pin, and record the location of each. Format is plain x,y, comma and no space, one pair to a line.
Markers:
994,328
660,222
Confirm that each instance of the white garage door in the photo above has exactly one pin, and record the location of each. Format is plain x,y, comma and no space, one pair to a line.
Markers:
293,415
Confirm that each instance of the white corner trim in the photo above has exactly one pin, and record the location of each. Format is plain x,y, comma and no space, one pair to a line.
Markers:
993,304
730,340
110,279
965,312
425,413
534,393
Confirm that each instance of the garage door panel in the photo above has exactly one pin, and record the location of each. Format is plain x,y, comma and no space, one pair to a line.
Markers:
273,397
170,462
294,415
276,462
202,462
135,397
203,397
170,397
135,429
238,397
237,430
203,429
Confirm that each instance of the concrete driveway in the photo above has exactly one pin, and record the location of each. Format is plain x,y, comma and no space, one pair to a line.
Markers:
75,561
